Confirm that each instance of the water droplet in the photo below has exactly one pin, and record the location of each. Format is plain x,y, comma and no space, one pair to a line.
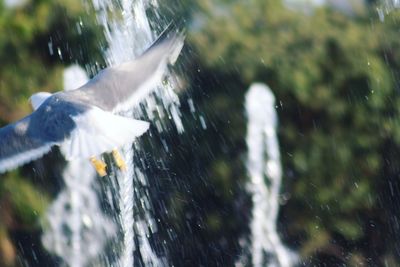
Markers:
50,45
59,53
381,14
203,122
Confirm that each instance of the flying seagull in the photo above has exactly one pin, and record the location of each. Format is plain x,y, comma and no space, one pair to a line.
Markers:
84,122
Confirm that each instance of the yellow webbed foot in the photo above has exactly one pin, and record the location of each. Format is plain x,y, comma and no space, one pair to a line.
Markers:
118,160
99,165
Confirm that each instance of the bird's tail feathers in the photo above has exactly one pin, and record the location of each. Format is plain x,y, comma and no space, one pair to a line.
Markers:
98,131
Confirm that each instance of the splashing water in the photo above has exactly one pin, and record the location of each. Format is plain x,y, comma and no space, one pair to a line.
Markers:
75,220
264,169
384,7
128,35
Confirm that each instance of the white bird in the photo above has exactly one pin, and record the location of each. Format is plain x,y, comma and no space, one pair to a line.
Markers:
83,122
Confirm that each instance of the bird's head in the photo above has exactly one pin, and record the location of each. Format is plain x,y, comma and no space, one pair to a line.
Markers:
37,99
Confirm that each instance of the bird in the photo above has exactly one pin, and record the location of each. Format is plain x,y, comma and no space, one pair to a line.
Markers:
85,123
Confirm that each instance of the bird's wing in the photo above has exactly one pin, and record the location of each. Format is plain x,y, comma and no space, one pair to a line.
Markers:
89,132
122,86
98,131
20,144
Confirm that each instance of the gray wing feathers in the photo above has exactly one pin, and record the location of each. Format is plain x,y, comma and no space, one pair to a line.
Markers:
18,145
119,85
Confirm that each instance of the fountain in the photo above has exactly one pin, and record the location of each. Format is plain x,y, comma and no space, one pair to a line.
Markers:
75,220
128,33
77,228
127,38
264,170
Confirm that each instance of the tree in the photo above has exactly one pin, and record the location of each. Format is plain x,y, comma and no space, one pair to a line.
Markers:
334,76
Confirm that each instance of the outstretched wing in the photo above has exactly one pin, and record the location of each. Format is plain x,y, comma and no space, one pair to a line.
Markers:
81,132
33,136
111,90
19,144
119,87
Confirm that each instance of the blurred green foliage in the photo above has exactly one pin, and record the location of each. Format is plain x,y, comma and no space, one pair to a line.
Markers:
33,45
335,76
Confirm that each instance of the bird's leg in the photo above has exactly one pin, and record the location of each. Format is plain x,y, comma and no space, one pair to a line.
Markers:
99,165
119,160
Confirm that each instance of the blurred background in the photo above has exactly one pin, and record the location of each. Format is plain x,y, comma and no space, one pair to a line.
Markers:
334,67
